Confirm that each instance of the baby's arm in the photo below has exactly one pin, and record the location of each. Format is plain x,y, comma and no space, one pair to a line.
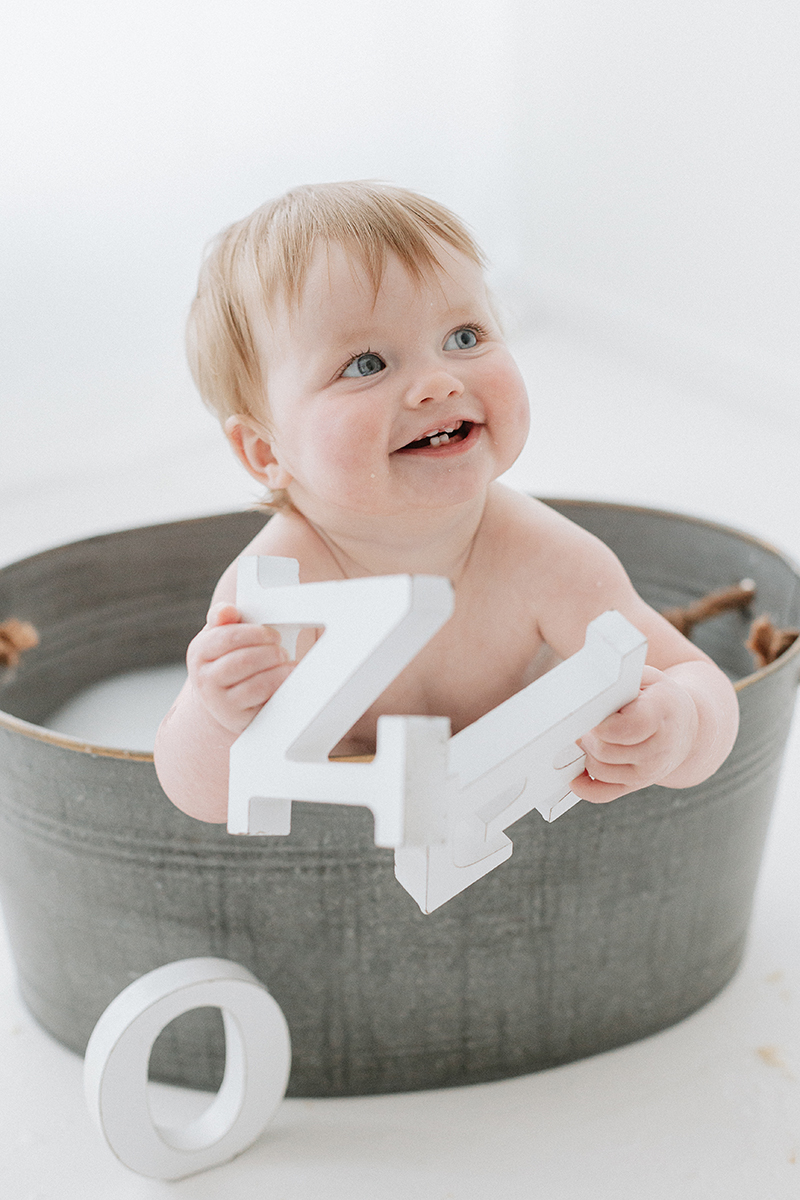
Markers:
683,723
234,668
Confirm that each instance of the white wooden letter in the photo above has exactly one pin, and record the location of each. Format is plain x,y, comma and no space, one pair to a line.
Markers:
443,802
522,755
373,628
257,1062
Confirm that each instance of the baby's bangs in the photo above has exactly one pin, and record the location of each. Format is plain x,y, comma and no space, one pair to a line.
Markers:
369,220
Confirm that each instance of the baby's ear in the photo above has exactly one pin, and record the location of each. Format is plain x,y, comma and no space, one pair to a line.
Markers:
255,453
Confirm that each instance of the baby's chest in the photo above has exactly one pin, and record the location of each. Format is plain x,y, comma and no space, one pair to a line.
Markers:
468,668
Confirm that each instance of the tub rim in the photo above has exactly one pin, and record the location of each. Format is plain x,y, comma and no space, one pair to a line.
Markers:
66,741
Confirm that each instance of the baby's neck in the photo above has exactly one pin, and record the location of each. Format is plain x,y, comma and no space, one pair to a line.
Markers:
427,543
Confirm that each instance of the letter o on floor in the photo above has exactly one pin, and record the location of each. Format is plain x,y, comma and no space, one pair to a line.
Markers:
257,1061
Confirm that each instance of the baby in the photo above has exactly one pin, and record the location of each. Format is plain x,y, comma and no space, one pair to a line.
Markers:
345,336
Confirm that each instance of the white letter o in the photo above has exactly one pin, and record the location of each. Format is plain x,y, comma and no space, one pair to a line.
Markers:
257,1061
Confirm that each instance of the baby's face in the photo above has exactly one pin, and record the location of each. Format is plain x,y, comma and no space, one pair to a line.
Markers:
390,403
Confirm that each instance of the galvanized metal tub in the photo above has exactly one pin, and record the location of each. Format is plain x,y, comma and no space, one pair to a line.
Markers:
610,925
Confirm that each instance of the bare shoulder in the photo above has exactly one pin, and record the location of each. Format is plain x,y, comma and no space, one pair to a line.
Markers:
542,540
285,535
571,576
530,546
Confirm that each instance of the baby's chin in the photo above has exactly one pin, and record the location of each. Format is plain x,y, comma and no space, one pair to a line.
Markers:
393,495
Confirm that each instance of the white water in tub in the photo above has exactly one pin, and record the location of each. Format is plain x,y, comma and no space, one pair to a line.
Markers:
123,711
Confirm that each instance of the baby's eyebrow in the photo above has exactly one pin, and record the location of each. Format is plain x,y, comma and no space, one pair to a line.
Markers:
467,316
331,329
351,334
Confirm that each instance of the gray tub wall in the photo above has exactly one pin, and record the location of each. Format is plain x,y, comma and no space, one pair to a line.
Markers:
611,924
113,603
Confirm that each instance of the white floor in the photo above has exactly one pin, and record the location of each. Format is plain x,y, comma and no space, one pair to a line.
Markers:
709,1109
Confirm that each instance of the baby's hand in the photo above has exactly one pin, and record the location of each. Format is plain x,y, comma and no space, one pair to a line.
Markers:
641,744
235,668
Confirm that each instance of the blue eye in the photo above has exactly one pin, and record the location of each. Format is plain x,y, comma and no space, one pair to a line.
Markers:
365,364
462,339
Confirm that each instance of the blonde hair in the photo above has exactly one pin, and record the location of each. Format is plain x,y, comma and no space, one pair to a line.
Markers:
264,258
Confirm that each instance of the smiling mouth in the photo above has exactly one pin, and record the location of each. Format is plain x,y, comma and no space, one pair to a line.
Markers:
440,437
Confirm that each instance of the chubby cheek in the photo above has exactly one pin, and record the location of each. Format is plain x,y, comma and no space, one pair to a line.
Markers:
510,410
345,455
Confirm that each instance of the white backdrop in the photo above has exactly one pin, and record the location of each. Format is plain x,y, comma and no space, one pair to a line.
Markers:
631,167
133,133
659,171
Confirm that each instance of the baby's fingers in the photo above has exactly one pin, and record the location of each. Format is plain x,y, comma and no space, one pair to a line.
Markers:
638,720
631,726
252,693
601,751
241,664
223,614
597,791
216,640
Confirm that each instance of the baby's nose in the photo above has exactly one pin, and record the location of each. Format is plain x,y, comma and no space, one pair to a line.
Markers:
435,385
